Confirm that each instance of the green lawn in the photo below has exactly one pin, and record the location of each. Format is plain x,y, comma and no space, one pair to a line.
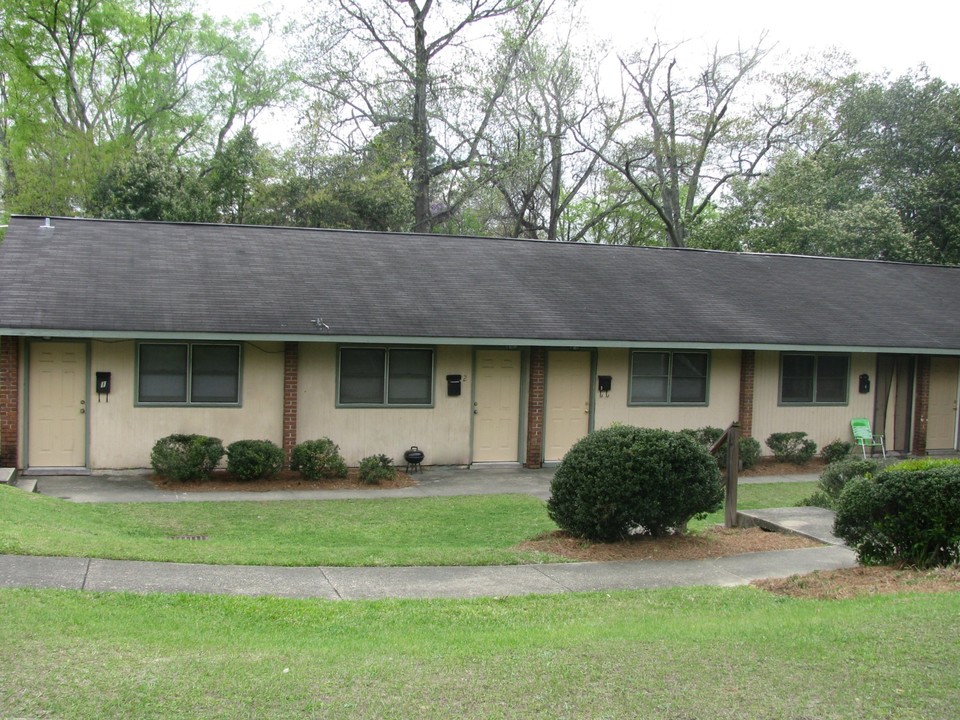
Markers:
434,531
671,654
478,530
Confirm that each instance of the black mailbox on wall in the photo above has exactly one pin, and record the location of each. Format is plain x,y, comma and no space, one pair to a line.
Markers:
103,384
453,385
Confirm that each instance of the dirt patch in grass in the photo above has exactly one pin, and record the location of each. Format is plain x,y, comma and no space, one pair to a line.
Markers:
859,581
711,543
286,480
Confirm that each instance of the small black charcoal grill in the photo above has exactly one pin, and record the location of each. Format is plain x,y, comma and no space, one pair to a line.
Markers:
414,456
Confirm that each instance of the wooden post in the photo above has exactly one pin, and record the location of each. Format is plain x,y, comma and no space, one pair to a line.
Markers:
733,475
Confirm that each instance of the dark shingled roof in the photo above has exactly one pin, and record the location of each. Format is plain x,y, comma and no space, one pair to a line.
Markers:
147,279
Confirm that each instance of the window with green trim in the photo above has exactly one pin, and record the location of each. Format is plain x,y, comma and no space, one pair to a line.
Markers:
385,376
668,378
814,379
188,374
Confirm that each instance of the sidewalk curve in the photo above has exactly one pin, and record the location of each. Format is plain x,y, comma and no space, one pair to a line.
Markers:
368,583
372,583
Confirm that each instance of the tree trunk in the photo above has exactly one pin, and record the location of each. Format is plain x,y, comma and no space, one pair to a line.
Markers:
421,128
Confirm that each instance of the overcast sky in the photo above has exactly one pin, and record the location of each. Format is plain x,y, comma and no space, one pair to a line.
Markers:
881,36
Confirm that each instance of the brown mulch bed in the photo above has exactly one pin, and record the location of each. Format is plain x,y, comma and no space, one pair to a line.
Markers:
711,543
860,581
285,480
769,466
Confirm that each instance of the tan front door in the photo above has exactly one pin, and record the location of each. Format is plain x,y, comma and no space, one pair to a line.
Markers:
57,423
568,401
942,415
496,406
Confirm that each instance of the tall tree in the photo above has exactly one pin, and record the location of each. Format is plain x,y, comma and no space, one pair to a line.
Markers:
813,204
90,83
420,64
690,133
537,163
880,182
907,135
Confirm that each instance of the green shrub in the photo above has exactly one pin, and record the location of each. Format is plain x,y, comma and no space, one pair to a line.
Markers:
254,459
707,436
186,457
902,516
625,480
749,452
792,447
835,477
835,451
914,464
317,459
374,469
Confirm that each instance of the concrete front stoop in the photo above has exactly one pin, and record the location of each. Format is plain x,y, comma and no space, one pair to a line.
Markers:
811,522
8,476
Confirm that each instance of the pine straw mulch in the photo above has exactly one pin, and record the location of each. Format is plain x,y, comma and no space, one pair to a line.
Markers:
711,543
861,581
220,480
767,466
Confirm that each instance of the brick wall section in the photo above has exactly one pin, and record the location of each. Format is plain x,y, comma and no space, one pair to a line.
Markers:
748,366
538,362
291,373
921,406
9,400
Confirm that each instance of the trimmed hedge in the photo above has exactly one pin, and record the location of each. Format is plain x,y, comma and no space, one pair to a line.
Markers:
835,451
254,459
624,480
707,436
374,469
835,477
318,459
903,516
186,457
793,447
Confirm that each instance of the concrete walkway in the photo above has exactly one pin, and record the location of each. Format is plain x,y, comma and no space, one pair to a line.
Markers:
135,486
338,583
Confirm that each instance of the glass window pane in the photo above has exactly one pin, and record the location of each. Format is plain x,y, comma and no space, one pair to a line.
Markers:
832,371
411,377
215,374
362,375
163,374
649,390
689,378
651,363
649,377
796,384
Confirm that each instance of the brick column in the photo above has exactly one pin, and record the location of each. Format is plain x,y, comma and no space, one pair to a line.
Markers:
748,367
538,363
9,400
291,374
921,407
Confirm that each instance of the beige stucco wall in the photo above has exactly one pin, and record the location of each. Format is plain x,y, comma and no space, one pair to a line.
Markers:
822,423
442,432
122,435
723,395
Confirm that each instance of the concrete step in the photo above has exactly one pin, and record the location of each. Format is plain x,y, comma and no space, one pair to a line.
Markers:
26,484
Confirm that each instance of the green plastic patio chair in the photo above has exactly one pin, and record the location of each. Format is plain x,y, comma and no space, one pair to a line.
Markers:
863,436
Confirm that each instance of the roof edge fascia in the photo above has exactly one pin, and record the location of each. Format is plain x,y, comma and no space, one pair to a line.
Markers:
121,335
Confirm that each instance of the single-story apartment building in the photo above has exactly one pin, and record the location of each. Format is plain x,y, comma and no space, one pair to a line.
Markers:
114,334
